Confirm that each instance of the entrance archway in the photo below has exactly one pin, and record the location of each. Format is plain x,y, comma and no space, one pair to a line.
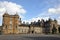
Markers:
32,31
59,29
54,30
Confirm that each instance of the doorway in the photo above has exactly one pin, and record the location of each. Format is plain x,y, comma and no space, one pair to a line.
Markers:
54,30
32,31
59,29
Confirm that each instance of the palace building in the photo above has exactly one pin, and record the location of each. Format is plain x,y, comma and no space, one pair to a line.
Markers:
12,24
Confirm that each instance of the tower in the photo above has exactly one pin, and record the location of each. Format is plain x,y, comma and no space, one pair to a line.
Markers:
5,23
10,23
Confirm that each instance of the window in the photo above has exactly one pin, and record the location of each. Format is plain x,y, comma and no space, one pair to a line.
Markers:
10,27
16,26
10,20
6,26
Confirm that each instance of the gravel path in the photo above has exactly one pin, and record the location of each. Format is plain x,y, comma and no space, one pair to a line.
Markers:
29,37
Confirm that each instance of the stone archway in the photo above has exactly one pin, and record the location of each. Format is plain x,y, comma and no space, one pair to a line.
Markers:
32,31
59,29
54,30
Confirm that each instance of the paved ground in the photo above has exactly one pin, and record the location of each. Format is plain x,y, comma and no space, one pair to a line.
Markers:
30,37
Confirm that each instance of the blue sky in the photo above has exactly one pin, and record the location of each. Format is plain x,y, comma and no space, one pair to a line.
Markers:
38,8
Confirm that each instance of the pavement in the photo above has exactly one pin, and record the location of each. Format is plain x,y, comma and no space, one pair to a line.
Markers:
30,37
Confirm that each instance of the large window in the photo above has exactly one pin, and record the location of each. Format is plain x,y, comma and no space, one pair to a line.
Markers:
10,27
10,20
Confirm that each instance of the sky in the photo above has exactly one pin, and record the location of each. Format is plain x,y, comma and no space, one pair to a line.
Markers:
31,10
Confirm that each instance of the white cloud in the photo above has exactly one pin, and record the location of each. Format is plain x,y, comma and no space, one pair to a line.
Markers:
39,18
2,9
58,19
54,10
11,8
36,19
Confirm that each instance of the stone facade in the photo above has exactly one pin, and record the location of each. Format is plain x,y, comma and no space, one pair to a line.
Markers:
12,25
23,29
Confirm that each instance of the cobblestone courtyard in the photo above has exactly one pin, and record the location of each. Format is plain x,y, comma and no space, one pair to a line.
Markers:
29,37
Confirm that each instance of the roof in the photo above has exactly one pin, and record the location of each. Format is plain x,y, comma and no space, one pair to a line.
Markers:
6,14
24,25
